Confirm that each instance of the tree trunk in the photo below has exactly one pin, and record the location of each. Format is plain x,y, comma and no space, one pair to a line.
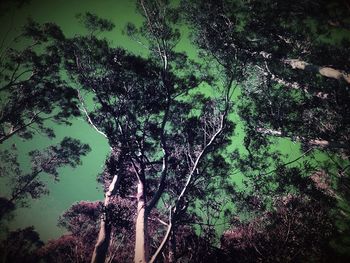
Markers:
172,247
102,243
101,247
329,144
319,143
141,246
324,71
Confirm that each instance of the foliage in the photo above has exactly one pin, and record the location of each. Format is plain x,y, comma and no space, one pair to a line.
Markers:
158,134
266,43
32,89
298,230
94,23
168,170
33,93
81,220
279,52
22,185
21,246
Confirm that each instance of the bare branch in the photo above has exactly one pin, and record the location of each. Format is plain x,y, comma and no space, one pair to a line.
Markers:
165,239
88,116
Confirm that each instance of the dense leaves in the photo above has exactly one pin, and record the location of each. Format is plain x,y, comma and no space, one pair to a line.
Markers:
33,96
32,89
21,246
269,41
298,230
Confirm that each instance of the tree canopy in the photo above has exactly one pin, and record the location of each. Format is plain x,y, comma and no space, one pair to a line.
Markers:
191,175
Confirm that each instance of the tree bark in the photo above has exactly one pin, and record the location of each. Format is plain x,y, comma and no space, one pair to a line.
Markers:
302,65
319,143
141,245
101,247
172,247
324,71
329,144
293,85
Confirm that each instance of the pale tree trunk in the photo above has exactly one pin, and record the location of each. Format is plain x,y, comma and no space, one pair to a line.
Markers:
329,144
141,246
104,235
312,142
176,208
324,71
102,243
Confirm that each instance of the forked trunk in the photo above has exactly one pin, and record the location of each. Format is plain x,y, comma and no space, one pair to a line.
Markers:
141,246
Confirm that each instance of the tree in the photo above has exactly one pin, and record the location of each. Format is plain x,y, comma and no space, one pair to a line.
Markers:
167,165
32,93
81,220
299,230
294,83
23,185
292,219
32,89
156,134
20,246
279,45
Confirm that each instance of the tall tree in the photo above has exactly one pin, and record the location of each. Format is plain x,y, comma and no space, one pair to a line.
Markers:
157,135
32,93
294,82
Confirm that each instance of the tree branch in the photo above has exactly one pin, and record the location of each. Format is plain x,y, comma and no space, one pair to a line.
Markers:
88,116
